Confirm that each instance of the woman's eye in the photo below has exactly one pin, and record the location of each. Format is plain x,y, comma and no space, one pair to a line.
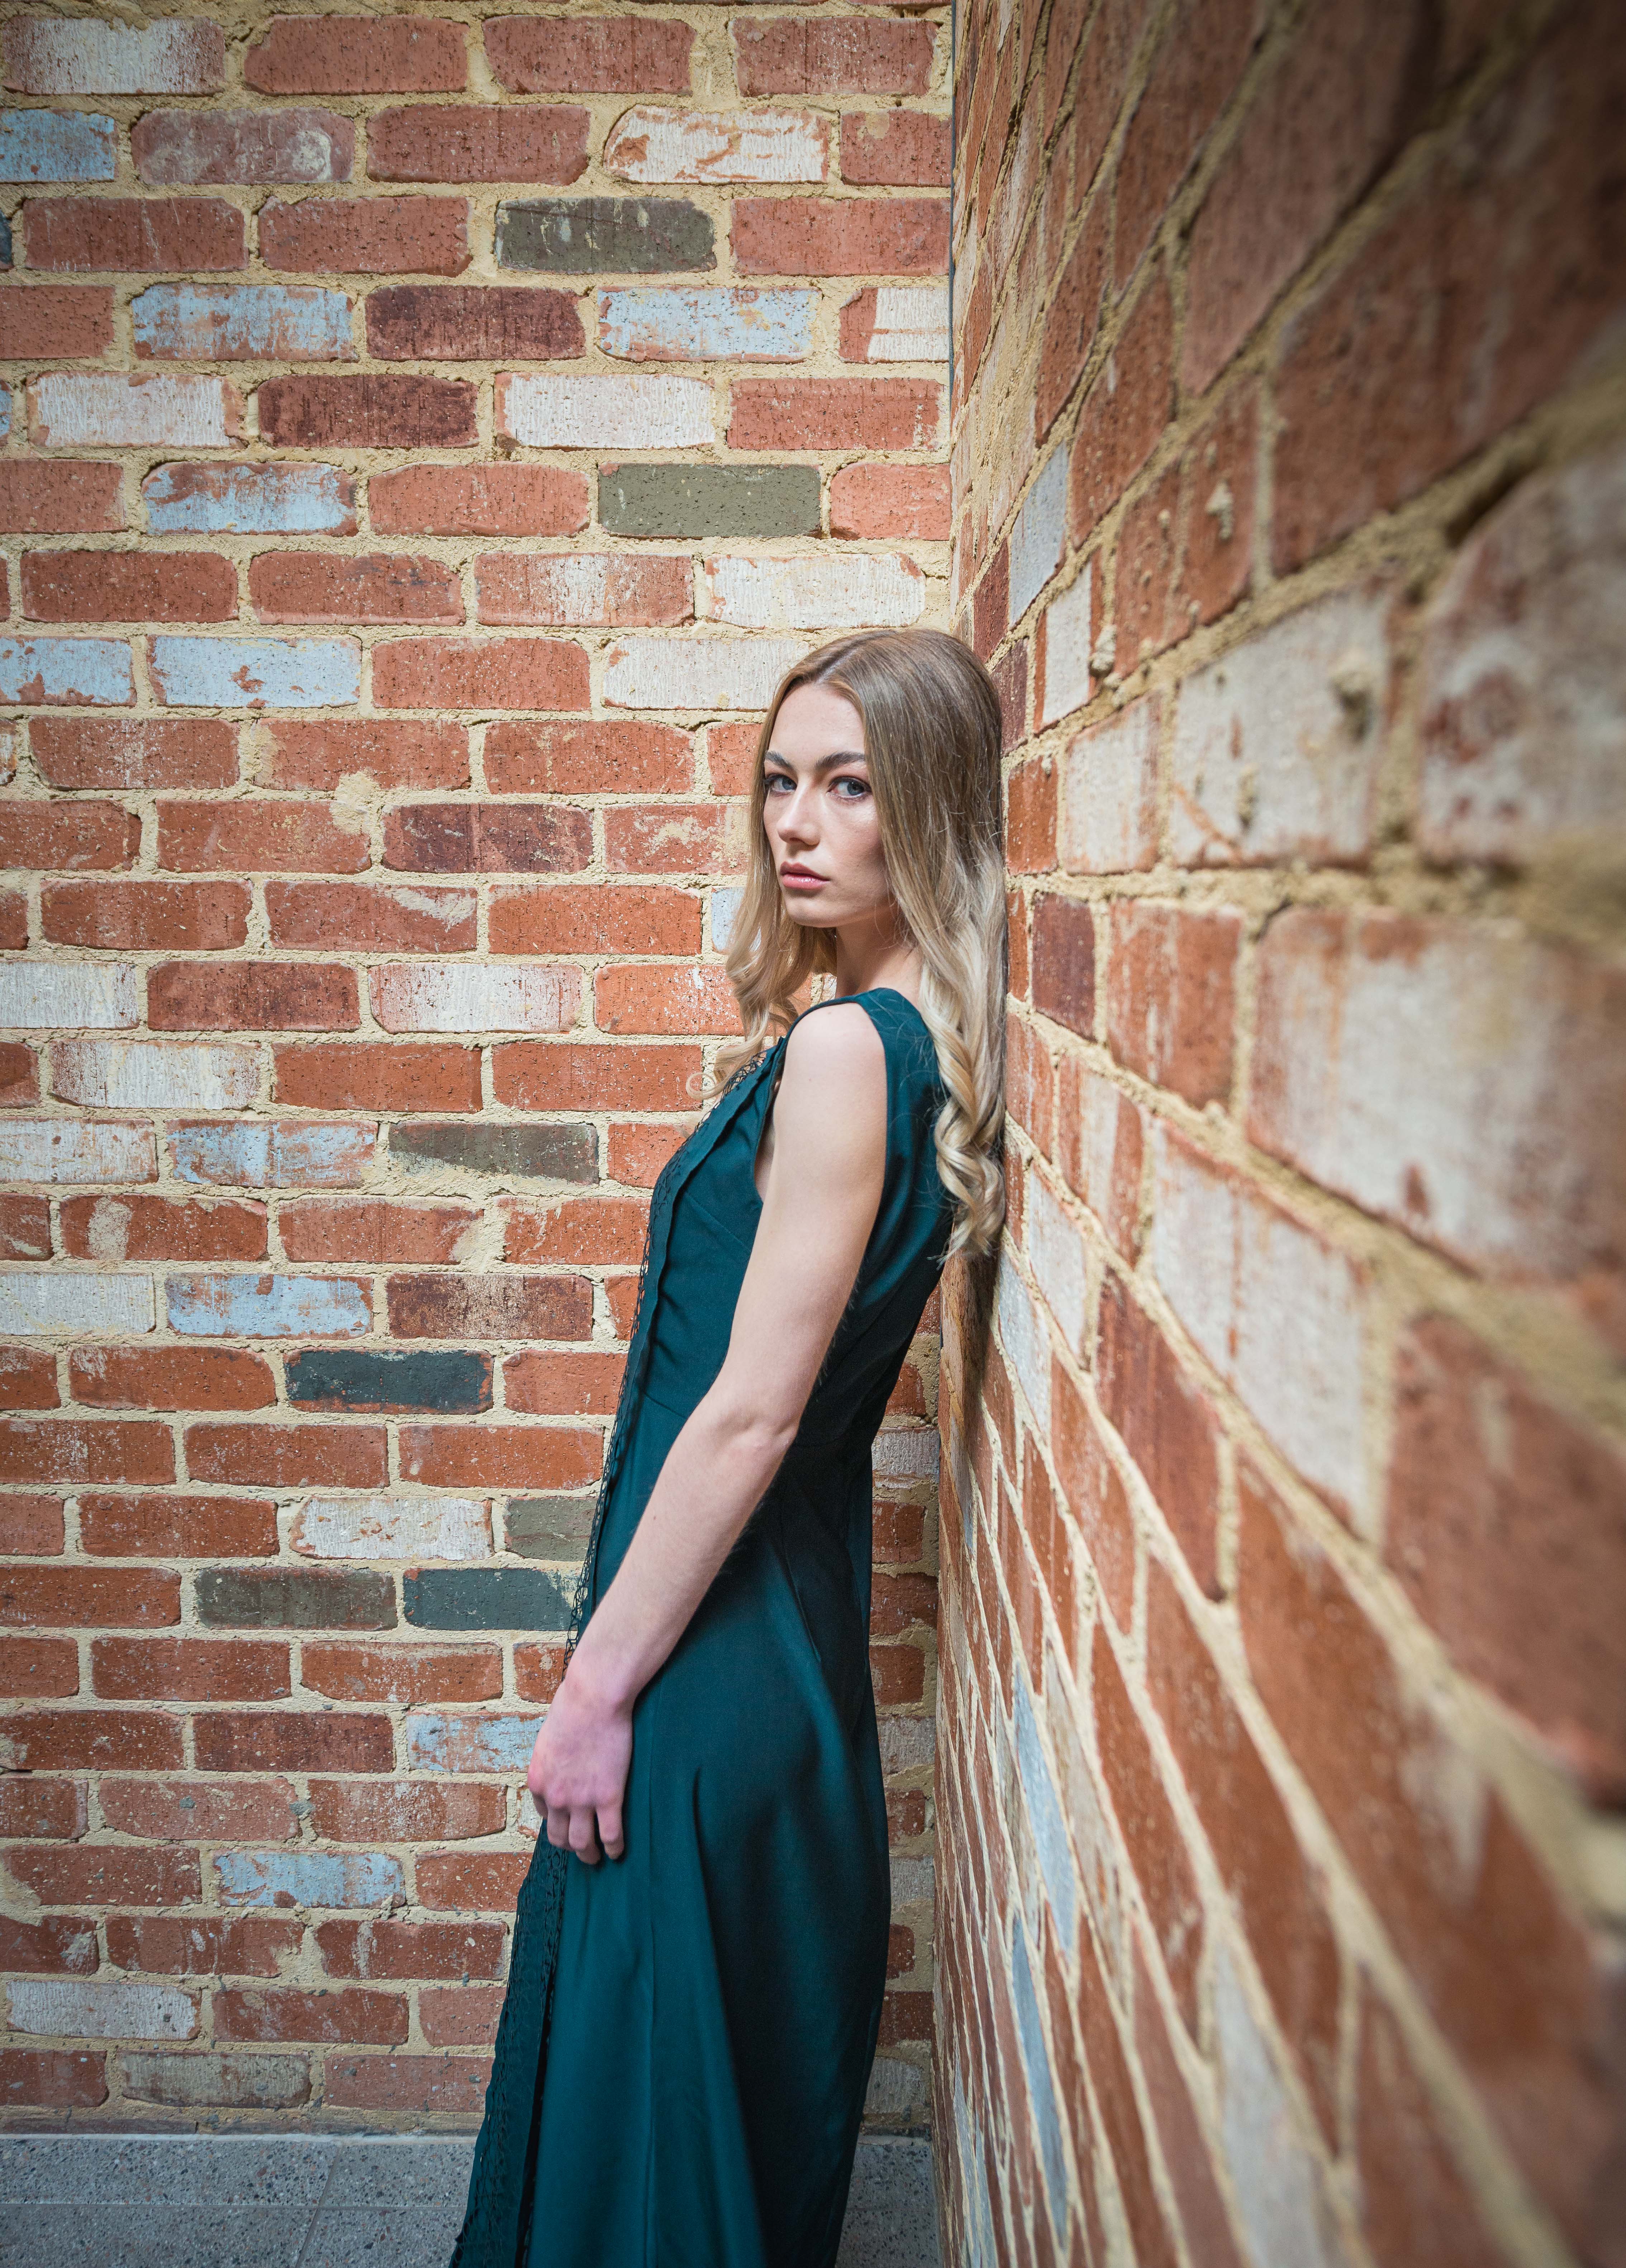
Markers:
860,788
776,781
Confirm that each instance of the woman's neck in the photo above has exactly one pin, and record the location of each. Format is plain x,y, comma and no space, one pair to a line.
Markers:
867,955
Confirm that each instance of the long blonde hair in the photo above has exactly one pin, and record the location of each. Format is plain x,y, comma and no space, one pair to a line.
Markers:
931,737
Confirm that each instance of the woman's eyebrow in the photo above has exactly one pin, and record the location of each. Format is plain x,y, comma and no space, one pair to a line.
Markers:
824,763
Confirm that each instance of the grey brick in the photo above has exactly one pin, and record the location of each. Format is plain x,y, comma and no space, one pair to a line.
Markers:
604,236
294,1598
347,1378
548,1527
705,500
487,1598
510,1154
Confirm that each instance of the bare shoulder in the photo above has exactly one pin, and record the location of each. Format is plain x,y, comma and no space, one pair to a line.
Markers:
834,1086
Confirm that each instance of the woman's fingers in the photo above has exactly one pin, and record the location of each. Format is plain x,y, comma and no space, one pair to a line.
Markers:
609,1829
584,1838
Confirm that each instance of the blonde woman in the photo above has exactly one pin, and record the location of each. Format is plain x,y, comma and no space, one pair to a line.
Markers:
700,1946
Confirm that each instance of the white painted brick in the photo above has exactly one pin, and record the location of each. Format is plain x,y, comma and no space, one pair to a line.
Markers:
911,323
393,1527
724,906
1067,683
652,412
1056,1865
65,1149
1039,534
1285,2212
39,996
1276,745
906,1743
906,1452
851,590
155,1074
30,1305
912,1881
674,672
1109,795
1093,1840
649,143
1524,671
78,409
1453,1076
63,2007
46,55
415,996
1026,1342
1055,1253
1279,1312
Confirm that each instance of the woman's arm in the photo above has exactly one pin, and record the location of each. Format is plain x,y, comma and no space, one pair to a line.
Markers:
824,1189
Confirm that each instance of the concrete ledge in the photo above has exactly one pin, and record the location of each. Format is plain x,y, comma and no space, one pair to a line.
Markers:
329,2201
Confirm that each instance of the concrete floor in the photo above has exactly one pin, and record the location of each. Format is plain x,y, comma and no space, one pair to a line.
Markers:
329,2201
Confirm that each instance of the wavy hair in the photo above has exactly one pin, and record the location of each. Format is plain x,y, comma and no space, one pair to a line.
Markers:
931,739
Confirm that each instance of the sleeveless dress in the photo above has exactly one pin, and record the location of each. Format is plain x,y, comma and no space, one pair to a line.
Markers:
687,2036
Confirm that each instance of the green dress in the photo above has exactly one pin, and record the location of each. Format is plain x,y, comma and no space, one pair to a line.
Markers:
687,2032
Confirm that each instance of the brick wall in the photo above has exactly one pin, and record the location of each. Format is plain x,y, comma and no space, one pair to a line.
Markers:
430,435
1283,1726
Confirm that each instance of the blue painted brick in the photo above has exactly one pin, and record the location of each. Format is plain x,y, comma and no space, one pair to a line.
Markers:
473,1744
250,500
69,671
309,1878
274,1157
57,145
268,1306
243,322
226,672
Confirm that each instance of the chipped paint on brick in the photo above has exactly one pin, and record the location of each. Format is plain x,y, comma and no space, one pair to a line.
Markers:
393,1527
50,55
243,322
57,145
275,1157
250,500
97,410
856,589
62,996
67,672
675,323
95,2008
268,1306
701,674
155,1074
222,672
415,996
648,144
68,1151
605,413
470,1744
85,1304
309,1879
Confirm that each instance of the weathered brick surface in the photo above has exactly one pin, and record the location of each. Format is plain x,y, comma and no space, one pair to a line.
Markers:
1283,1450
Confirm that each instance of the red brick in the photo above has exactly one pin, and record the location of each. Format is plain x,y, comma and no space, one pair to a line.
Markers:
368,1230
485,1882
899,1674
461,2018
84,1451
55,322
447,838
27,1379
77,499
176,1526
68,837
127,586
258,837
607,589
590,1232
613,756
1185,2153
637,1152
834,412
394,752
661,838
349,916
152,235
396,1950
30,1525
1215,552
468,322
268,1740
404,1811
806,236
1148,559
62,1946
92,1740
1415,2203
162,1228
1276,1891
991,611
384,409
1064,962
287,1456
784,55
1095,1496
1469,307
490,1307
378,587
1198,63
398,1076
1071,321
200,996
455,141
903,149
1116,2098
1504,1967
203,1945
106,1874
480,673
730,749
200,1378
422,1677
357,54
129,1598
131,752
199,1810
546,1075
558,54
1030,819
1167,1426
1506,1523
593,917
19,1067
680,1001
24,1228
39,1668
364,237
562,1385
137,916
447,2086
57,2079
358,2016
904,1602
503,500
1125,411
1170,996
55,1807
891,500
538,1670
524,1457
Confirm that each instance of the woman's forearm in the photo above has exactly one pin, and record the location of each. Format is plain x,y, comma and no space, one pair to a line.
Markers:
712,1480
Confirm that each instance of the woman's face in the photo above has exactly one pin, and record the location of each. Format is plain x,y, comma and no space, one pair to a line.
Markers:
819,813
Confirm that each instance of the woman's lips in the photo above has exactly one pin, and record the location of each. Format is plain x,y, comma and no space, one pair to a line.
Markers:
800,878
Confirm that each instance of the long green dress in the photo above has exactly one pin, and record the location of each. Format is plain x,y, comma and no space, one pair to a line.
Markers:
687,2032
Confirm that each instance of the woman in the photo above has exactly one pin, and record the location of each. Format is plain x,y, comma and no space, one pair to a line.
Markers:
700,1949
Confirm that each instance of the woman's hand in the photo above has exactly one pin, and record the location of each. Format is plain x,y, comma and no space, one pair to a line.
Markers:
578,1770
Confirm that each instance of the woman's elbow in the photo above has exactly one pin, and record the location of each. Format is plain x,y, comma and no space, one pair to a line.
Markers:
752,1430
